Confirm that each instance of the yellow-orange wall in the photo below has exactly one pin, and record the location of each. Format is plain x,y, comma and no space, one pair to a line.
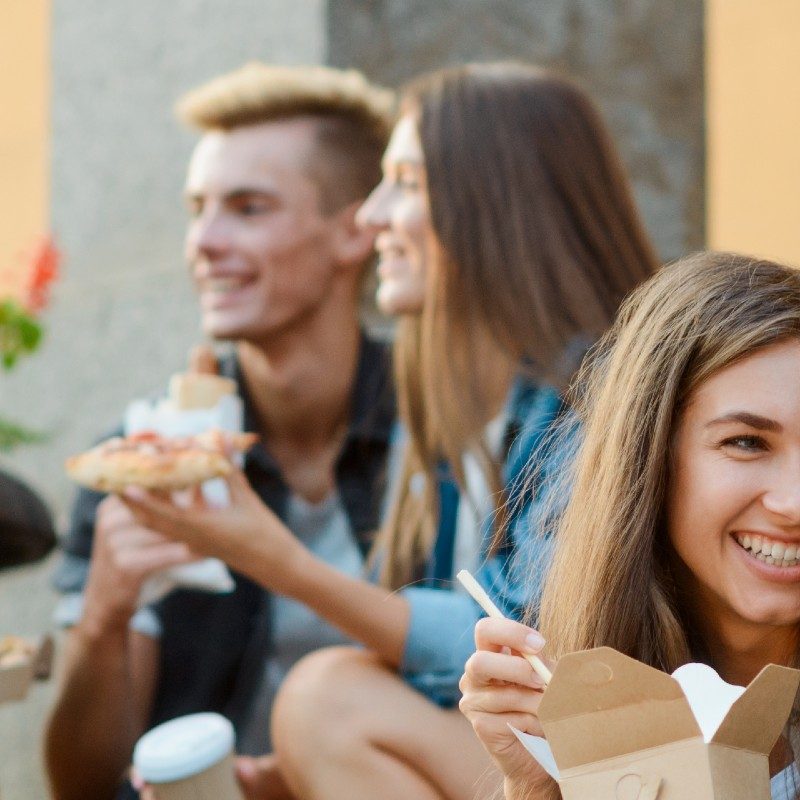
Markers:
753,127
24,128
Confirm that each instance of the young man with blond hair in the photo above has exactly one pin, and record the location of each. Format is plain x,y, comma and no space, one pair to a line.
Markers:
286,156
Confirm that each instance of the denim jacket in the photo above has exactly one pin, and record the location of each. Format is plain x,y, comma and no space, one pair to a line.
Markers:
440,636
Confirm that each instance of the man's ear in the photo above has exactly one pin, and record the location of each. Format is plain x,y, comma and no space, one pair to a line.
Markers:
353,244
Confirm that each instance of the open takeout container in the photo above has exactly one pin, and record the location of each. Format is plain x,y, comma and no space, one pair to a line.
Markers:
22,667
617,729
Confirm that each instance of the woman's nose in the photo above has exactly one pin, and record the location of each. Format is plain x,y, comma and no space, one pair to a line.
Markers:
784,500
374,210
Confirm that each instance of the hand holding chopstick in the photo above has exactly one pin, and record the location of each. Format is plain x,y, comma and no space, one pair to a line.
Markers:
485,602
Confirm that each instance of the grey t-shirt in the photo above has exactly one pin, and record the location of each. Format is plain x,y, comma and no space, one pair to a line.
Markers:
325,530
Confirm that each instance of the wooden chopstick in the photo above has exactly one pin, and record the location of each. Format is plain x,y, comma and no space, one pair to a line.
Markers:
485,602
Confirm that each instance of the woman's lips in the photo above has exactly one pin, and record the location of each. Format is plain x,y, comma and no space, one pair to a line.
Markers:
758,556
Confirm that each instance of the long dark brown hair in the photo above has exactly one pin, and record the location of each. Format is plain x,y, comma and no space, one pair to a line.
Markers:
537,242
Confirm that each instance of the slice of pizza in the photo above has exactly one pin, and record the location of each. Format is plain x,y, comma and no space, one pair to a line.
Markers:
152,461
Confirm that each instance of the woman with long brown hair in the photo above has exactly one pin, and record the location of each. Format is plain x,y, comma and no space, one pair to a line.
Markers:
681,539
504,197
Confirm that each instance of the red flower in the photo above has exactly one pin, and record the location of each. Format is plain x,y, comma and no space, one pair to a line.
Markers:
44,270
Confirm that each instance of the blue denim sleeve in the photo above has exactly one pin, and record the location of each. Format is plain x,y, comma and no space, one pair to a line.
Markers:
439,641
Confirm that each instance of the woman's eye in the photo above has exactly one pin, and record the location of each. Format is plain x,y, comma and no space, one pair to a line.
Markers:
746,444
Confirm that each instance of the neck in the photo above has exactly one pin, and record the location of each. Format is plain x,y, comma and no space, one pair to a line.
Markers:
300,382
740,649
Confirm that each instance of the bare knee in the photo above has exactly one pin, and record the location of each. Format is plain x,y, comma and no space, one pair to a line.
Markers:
320,706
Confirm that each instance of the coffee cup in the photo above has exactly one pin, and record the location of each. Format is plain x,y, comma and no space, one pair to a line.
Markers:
189,758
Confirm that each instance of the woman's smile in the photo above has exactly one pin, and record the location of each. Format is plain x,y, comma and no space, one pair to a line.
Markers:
734,507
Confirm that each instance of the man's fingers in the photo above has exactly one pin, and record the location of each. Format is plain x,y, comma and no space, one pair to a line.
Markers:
144,561
134,537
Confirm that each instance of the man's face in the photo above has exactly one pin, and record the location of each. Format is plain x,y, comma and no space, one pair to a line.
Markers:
259,248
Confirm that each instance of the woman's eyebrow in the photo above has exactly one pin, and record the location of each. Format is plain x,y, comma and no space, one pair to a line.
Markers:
749,419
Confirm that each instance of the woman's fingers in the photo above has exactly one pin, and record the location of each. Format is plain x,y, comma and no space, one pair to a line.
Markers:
494,634
493,730
486,668
238,485
508,699
160,513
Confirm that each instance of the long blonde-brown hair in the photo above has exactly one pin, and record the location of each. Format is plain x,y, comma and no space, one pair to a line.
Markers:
610,582
537,242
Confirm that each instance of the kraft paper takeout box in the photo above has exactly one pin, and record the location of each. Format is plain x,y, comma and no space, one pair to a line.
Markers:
16,678
620,730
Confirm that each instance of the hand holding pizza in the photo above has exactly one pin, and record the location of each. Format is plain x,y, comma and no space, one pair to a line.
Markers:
124,556
245,534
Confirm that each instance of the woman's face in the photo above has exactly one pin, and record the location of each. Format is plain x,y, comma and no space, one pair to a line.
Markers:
398,211
734,501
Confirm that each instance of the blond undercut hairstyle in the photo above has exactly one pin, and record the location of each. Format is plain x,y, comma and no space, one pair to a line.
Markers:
353,116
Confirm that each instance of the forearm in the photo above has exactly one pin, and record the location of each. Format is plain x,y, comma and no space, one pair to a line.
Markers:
92,727
369,614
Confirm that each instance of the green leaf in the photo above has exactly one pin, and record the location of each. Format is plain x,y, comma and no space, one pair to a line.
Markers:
13,435
20,333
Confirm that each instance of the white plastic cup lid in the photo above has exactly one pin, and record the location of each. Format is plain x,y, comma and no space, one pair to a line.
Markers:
183,747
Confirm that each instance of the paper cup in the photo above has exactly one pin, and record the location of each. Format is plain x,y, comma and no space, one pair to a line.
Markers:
189,758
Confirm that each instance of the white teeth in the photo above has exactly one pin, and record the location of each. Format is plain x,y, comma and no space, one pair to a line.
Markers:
770,552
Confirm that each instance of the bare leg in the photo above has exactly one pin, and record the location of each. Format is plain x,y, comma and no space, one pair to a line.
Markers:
346,726
261,779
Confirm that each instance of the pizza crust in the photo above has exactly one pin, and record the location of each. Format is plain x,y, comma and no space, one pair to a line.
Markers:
157,462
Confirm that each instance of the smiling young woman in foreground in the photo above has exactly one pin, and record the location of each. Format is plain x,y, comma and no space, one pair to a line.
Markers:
681,541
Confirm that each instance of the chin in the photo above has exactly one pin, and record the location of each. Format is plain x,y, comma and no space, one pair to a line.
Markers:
779,612
226,330
394,303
